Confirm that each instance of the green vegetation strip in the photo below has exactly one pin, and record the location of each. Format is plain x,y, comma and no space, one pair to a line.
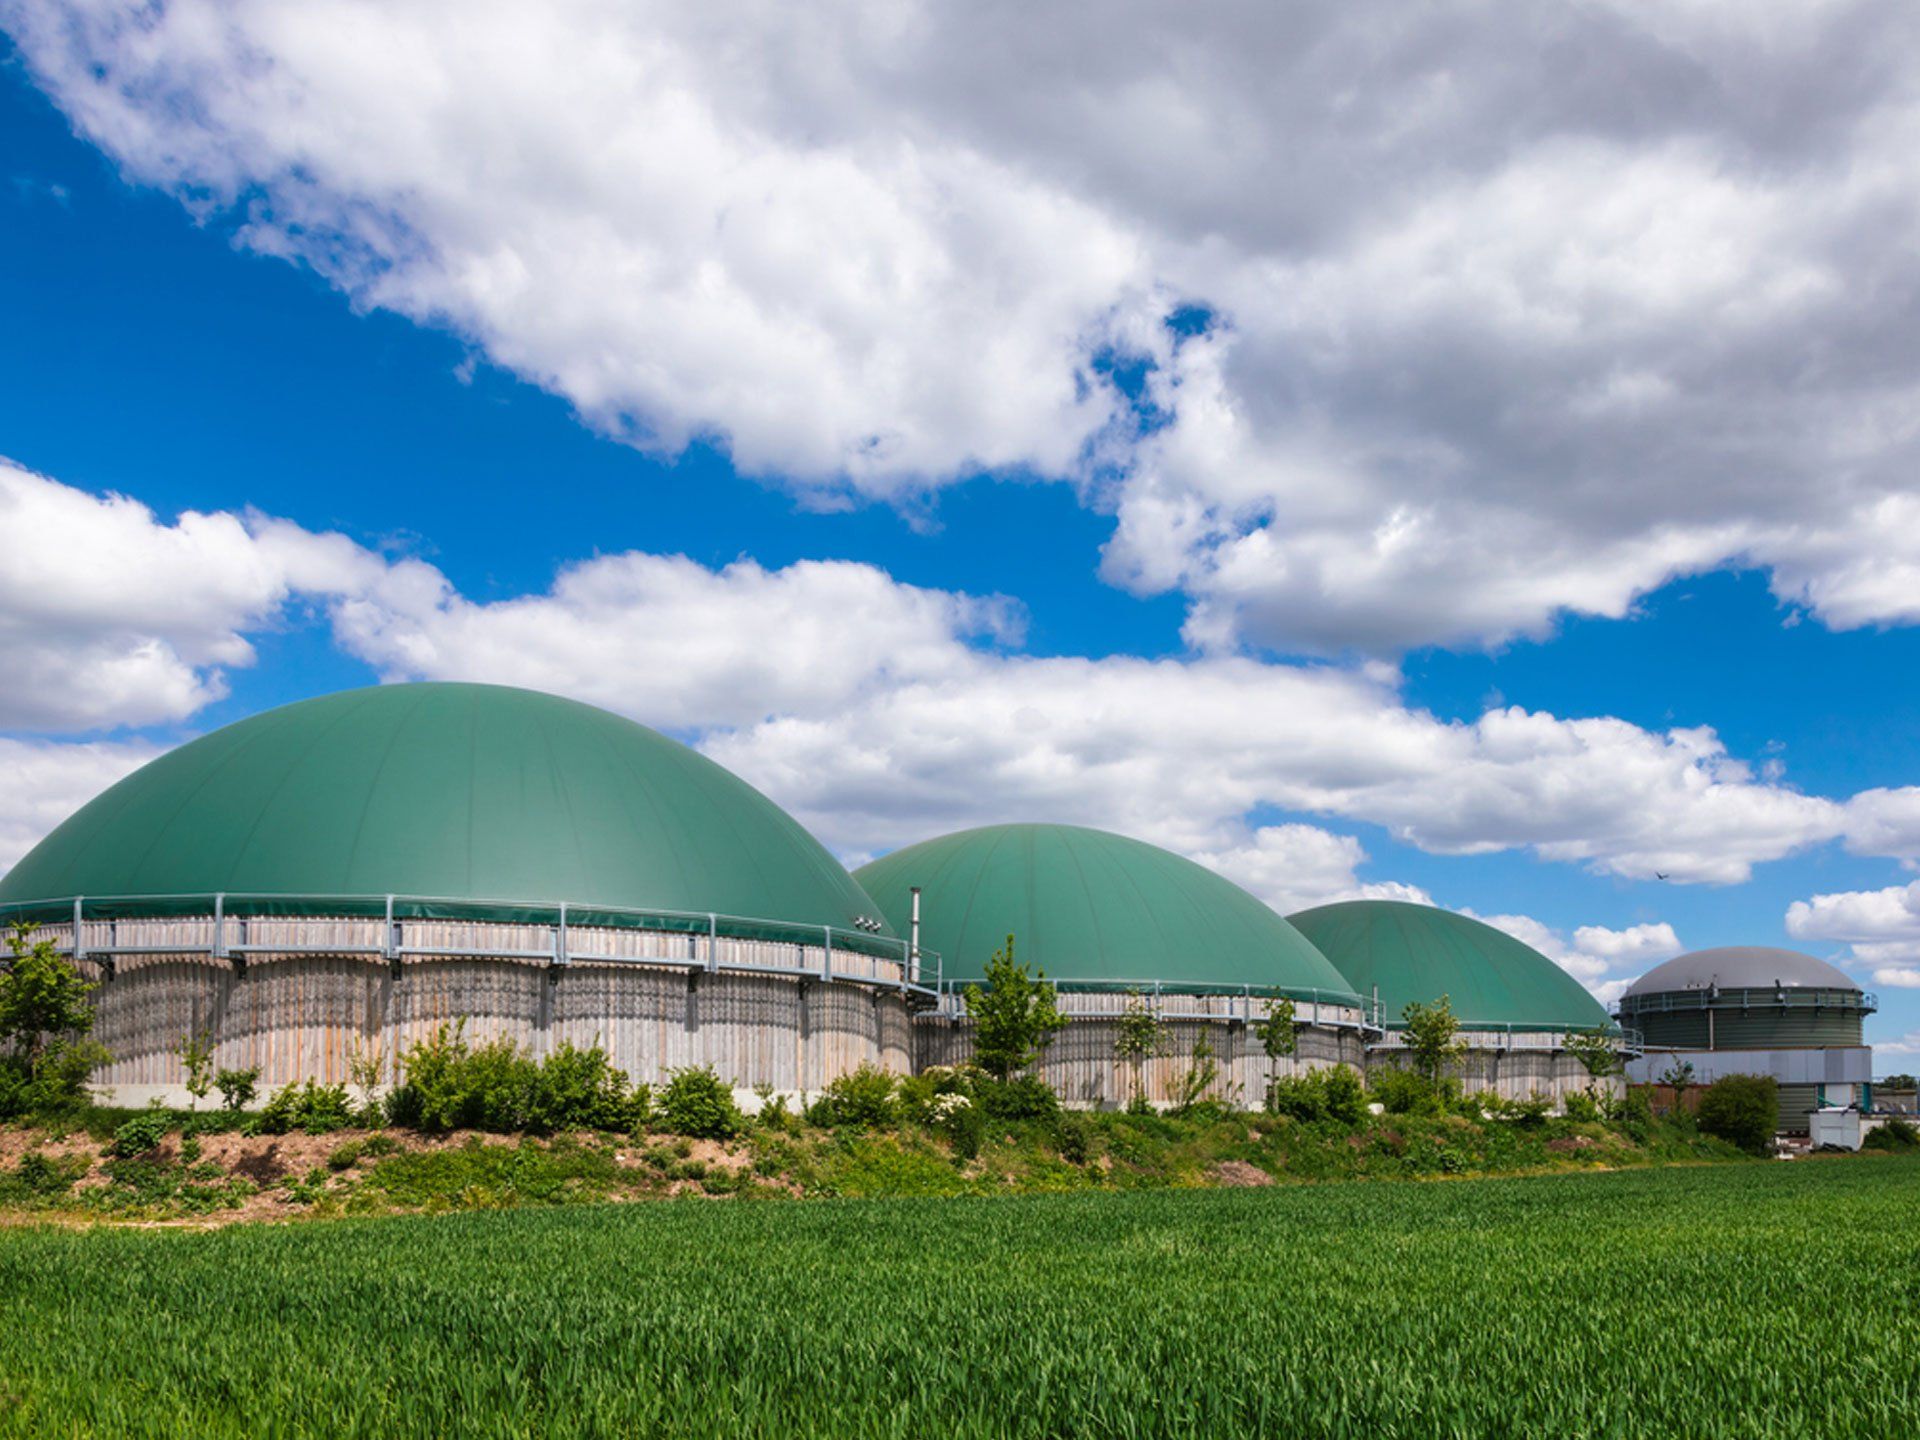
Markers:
1706,1302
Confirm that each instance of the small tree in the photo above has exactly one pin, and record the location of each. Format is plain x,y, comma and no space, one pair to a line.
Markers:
45,1021
196,1055
1014,1016
1192,1087
238,1087
365,1065
1278,1033
1598,1052
1432,1037
1677,1077
1140,1036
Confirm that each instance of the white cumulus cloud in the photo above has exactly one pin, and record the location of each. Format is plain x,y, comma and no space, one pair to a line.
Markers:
45,781
1478,317
110,616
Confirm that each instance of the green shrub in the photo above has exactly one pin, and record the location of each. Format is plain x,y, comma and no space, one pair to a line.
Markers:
1403,1092
860,1100
1072,1137
1633,1113
960,1120
1533,1110
1581,1106
1335,1093
1025,1097
1346,1094
345,1157
308,1107
46,1019
237,1087
1893,1136
583,1090
697,1102
453,1085
1743,1110
776,1114
141,1135
40,1177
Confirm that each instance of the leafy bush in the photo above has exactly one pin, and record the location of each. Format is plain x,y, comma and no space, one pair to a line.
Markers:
1335,1093
40,1178
1895,1135
141,1135
1581,1106
960,1120
916,1095
45,1021
1025,1097
308,1107
583,1090
1743,1110
697,1102
860,1100
1403,1092
453,1085
1346,1094
1072,1137
1633,1113
776,1114
237,1087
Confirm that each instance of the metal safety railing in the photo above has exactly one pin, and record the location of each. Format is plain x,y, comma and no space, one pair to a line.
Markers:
572,932
1176,1000
1748,997
1508,1036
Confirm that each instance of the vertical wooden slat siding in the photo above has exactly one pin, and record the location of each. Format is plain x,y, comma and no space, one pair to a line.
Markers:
297,1015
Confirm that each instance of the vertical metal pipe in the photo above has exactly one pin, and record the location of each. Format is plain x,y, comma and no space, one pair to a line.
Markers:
913,938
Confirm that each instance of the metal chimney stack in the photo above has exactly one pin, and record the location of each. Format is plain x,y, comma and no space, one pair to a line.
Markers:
913,940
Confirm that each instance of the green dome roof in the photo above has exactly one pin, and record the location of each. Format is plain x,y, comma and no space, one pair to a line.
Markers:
1419,953
1092,910
457,792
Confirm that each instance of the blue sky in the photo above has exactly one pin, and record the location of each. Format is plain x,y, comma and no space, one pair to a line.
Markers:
1118,446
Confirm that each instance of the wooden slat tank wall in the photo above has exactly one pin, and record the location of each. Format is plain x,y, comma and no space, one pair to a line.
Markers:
1519,1066
1080,1065
298,1015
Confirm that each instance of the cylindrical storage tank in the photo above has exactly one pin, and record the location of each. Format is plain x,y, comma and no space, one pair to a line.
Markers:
1756,1010
1113,921
1515,1007
348,872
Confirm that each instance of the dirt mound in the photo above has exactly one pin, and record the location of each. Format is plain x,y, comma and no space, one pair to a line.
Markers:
1239,1174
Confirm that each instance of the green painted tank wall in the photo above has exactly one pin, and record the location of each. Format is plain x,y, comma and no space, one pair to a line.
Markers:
1757,1027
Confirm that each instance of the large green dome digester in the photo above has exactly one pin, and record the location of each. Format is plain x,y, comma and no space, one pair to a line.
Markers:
456,792
1421,952
1094,911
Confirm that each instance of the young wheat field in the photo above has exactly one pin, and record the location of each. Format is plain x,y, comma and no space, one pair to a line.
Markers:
1724,1301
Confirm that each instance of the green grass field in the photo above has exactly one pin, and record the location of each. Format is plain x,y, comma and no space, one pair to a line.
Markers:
1705,1302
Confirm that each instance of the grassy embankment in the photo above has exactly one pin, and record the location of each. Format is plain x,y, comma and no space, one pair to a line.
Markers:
211,1171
